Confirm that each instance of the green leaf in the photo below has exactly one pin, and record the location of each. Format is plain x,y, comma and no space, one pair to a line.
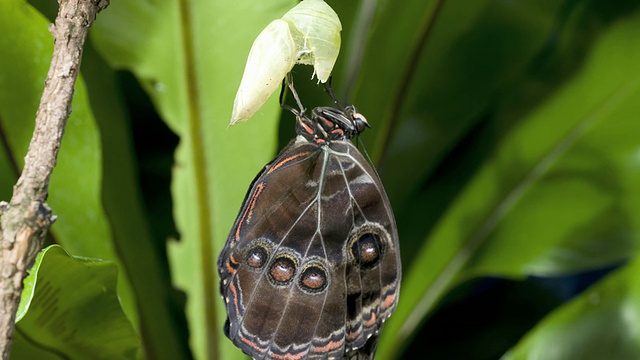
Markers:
74,189
555,196
471,53
189,56
21,348
162,327
602,323
70,307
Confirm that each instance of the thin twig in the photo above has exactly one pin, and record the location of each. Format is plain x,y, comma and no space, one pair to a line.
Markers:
24,221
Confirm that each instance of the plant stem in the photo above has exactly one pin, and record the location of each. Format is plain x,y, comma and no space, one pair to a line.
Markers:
24,221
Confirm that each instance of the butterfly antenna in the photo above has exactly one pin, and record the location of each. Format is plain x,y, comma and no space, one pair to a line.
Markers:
366,154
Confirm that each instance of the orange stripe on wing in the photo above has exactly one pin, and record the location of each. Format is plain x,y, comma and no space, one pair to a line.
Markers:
388,301
286,160
234,292
252,344
352,335
331,345
289,356
246,216
371,321
231,269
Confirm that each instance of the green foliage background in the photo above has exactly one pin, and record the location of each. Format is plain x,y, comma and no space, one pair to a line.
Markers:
506,134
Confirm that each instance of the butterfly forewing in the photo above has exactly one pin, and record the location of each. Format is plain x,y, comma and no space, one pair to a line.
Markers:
311,267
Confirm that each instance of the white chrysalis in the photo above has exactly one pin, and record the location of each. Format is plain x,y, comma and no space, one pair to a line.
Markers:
316,30
272,56
308,34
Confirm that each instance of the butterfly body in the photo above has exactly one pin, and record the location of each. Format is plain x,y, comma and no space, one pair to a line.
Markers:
311,267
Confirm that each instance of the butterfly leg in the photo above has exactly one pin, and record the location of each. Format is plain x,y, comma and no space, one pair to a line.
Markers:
329,90
289,82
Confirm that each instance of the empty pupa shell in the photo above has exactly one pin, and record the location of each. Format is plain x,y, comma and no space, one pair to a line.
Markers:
316,31
308,34
272,56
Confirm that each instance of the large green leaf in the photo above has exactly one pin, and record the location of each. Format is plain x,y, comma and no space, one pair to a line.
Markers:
21,348
162,330
189,56
601,323
472,52
74,189
70,308
554,196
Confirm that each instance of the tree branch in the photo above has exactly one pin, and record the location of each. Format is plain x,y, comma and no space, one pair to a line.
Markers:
24,221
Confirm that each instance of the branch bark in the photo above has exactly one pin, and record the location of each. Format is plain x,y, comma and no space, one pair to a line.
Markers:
24,221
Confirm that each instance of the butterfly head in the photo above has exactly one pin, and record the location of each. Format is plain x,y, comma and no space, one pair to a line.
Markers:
358,120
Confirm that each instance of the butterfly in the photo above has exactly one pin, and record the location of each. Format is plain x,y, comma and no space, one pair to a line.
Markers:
311,267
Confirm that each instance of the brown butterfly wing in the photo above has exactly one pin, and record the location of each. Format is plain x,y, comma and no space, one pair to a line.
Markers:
311,267
373,274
